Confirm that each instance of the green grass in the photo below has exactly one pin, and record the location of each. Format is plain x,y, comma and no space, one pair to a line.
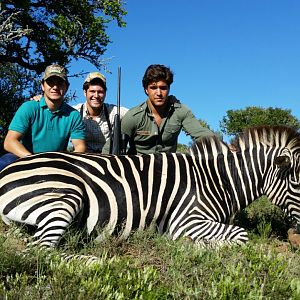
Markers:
150,266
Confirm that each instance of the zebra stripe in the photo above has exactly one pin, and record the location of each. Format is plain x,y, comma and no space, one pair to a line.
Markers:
187,195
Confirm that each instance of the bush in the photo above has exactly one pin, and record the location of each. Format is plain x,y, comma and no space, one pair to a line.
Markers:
263,218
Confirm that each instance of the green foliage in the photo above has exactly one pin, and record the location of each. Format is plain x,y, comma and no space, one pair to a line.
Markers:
263,218
15,85
182,148
34,34
264,229
204,123
58,31
150,266
237,120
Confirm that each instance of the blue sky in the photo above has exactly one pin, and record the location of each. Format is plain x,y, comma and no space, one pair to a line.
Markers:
225,54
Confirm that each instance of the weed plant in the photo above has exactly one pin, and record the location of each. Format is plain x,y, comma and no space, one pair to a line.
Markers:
150,266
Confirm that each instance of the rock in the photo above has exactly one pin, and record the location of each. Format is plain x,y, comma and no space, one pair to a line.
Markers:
294,238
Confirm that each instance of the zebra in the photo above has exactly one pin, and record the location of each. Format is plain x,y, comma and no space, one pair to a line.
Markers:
193,195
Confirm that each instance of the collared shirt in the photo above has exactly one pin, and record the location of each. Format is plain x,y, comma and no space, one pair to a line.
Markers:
146,137
98,129
44,130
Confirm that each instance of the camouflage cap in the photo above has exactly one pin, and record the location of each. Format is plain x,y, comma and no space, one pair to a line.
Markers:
55,70
95,75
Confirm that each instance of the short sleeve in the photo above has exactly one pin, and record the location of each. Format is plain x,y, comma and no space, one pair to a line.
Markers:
24,117
78,128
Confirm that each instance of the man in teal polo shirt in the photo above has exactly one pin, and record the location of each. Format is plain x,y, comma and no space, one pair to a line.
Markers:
154,126
47,125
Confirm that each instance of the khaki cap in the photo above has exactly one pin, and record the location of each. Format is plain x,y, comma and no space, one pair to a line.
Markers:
93,75
55,70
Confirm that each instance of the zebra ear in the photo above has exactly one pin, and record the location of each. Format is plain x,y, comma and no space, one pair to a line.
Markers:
282,161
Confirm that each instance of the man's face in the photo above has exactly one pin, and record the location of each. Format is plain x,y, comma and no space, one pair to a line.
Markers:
95,96
54,88
158,93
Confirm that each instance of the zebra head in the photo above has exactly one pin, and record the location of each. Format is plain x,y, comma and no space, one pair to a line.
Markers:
288,165
281,168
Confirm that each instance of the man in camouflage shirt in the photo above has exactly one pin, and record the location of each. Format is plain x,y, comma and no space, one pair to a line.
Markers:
154,125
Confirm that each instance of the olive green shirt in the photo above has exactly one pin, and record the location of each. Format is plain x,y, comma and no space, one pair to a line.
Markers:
146,137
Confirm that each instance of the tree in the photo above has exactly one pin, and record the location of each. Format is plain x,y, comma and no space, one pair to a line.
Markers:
182,148
237,120
36,33
204,124
8,30
14,81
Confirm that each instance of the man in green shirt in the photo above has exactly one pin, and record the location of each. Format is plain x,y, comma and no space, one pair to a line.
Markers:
154,125
46,125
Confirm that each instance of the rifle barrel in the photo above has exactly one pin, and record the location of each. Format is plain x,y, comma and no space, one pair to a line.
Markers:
116,136
119,90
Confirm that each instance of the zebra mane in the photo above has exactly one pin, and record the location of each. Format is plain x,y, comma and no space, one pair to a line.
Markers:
276,135
270,135
204,145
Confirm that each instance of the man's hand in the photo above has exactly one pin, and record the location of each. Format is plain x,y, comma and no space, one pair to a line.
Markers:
79,145
232,148
36,98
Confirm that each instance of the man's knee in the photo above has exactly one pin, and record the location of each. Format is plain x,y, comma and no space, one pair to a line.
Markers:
7,159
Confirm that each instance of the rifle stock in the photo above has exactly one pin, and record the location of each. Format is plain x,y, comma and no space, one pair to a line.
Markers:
115,147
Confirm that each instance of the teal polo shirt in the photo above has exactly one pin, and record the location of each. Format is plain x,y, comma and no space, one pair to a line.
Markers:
44,130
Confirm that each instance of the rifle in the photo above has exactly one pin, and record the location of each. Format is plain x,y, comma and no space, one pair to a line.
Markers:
118,141
116,134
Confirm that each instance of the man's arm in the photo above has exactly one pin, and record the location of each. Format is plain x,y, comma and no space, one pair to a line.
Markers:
79,145
13,145
193,127
78,132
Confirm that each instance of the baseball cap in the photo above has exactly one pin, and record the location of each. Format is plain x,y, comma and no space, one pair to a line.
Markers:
93,75
55,70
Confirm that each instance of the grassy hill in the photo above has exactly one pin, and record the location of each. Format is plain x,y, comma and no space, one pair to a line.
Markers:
150,266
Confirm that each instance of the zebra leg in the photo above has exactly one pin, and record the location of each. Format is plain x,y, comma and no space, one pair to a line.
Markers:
51,216
211,233
87,260
52,225
49,256
50,219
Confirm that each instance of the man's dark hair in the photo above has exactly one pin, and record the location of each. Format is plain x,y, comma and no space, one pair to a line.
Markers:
155,73
96,81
